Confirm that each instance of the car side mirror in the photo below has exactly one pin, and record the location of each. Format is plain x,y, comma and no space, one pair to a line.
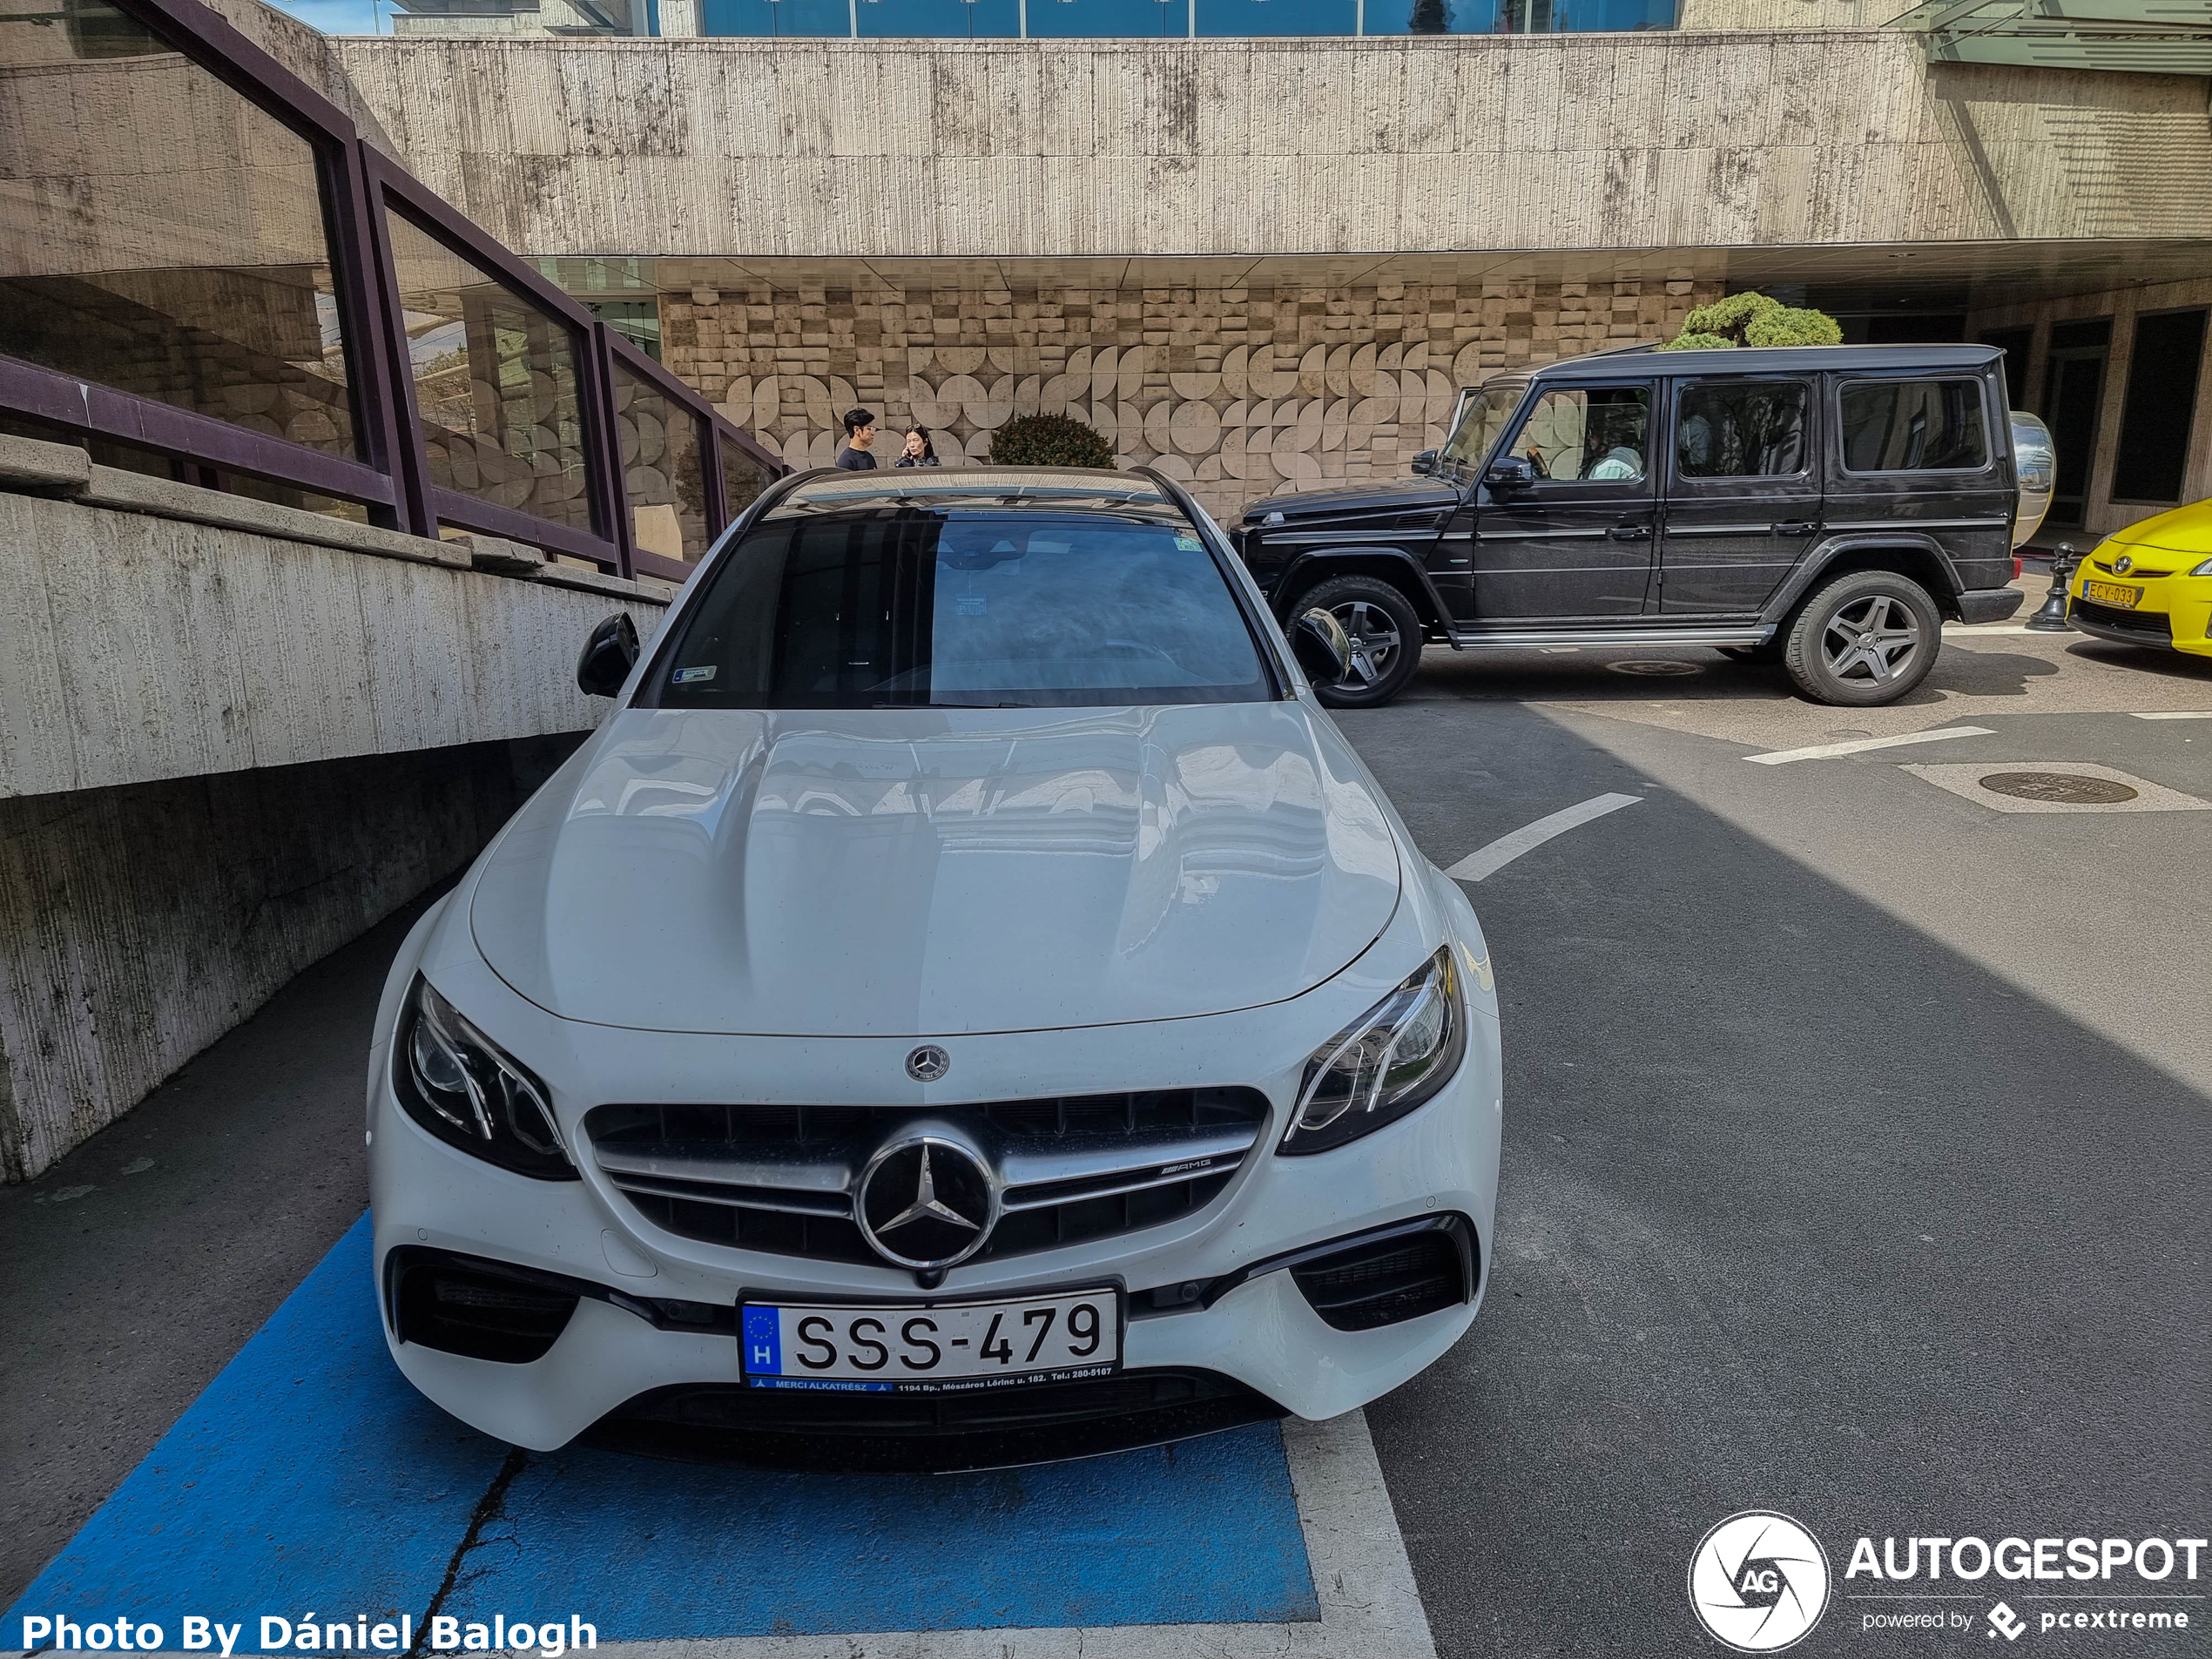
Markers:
1425,461
608,656
1322,647
1510,472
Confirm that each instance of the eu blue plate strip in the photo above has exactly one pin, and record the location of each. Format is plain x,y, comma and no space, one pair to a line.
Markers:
310,1477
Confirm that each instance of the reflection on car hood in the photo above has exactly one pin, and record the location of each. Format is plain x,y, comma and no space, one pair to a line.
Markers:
2186,529
931,872
1389,495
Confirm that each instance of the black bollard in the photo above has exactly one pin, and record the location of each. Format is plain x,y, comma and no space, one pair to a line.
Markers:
2051,619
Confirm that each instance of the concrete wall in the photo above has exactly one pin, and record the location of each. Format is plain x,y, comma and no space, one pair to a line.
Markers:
1240,391
139,924
144,647
1035,149
2104,514
227,749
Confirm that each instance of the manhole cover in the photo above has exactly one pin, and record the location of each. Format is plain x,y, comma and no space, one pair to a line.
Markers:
2063,787
1654,668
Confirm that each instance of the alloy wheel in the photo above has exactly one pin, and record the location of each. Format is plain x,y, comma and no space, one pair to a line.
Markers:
1375,640
1871,638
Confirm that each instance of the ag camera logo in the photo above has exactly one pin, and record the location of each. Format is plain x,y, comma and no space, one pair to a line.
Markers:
1758,1582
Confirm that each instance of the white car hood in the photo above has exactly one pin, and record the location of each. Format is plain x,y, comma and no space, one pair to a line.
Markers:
923,872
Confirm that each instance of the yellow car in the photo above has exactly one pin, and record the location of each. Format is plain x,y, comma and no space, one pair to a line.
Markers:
2149,584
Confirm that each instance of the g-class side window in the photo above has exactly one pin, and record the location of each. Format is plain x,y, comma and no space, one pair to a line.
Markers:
1598,433
1741,429
1913,426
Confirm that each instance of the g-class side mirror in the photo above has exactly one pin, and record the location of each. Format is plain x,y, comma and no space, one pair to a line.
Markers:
1425,461
1510,472
1322,647
608,656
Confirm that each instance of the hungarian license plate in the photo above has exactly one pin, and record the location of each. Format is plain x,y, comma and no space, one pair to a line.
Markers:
946,1347
2111,593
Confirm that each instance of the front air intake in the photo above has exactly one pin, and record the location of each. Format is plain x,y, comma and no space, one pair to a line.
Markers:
479,1309
1389,1276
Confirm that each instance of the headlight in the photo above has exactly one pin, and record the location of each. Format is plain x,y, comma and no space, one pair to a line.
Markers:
455,1082
1384,1064
2204,569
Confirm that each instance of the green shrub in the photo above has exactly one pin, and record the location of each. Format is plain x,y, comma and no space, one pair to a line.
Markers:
1793,326
1754,320
1048,441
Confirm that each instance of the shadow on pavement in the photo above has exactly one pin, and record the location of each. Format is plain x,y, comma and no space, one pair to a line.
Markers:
134,1268
1801,1210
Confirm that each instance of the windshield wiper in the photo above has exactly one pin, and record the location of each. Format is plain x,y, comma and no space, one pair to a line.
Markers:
954,705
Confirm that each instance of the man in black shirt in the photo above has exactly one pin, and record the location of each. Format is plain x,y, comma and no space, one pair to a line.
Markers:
859,441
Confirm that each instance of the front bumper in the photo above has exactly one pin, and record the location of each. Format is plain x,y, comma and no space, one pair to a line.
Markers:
1257,1331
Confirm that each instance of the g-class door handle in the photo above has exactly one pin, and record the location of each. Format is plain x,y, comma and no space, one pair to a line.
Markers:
1797,527
1630,532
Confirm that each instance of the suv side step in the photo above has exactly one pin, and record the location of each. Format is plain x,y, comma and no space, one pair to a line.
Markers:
1754,633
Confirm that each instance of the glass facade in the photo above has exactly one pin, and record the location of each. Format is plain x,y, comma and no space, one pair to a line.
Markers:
495,384
662,447
742,479
162,235
1138,19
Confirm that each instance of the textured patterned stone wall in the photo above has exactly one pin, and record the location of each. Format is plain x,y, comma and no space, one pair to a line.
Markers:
1241,391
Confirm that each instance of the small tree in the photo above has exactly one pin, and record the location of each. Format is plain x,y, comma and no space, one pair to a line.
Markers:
1754,320
1048,441
1430,17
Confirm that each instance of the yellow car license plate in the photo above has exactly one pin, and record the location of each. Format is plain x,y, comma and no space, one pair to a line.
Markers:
2111,593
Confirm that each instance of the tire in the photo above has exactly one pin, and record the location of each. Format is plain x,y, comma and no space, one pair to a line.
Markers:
1863,640
1386,630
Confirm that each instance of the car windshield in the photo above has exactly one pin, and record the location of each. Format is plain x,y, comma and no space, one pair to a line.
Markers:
1481,422
910,607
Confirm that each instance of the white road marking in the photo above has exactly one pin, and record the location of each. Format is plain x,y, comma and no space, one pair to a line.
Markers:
2175,714
1488,861
1990,628
1370,1606
1858,746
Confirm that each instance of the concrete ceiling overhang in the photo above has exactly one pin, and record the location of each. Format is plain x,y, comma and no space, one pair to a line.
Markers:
2132,36
1953,276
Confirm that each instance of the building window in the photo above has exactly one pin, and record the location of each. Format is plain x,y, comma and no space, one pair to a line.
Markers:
662,449
495,384
165,236
1913,426
2154,414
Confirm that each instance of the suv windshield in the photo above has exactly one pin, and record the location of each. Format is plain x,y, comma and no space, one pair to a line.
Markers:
1481,422
908,607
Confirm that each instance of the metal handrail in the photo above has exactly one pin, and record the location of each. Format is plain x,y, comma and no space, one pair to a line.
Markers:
389,476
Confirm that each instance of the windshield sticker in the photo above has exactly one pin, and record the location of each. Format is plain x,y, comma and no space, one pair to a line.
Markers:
686,676
1187,544
971,604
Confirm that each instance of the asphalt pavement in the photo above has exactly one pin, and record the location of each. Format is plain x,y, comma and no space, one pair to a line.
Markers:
1855,1164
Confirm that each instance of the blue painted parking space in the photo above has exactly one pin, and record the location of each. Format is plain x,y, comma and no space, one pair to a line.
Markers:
310,1479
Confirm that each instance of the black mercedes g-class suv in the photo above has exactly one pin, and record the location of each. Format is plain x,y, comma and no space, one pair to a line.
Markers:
1825,506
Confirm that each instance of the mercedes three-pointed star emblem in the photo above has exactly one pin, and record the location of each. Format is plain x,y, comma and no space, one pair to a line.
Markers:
926,1202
